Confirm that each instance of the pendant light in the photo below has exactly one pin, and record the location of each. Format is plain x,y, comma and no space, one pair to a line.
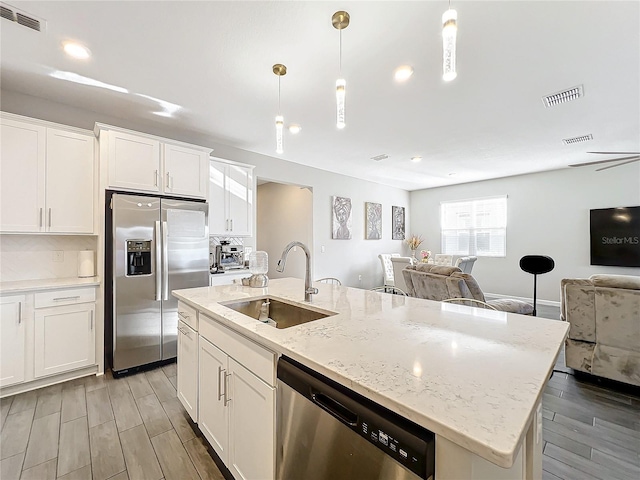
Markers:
279,70
340,21
449,31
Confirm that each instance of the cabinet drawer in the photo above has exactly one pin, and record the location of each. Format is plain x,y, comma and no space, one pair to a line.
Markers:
68,296
252,356
188,315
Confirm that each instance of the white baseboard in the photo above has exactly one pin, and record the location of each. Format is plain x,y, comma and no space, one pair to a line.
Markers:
539,301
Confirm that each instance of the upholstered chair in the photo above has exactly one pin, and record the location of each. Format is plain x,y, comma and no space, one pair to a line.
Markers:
603,312
442,259
387,268
438,282
466,263
399,263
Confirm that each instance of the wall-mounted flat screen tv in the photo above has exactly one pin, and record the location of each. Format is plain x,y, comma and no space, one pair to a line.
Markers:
615,237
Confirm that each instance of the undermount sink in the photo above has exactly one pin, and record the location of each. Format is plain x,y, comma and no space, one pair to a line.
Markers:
284,315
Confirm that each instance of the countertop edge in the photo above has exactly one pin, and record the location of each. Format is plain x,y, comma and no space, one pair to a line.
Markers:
25,286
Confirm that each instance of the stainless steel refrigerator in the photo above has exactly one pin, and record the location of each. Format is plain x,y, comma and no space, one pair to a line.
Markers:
157,245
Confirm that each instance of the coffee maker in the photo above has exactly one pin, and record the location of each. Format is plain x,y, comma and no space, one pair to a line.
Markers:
229,257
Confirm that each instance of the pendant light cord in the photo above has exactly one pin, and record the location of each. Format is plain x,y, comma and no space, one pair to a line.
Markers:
340,52
279,94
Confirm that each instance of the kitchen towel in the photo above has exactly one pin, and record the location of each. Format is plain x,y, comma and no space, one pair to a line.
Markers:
86,264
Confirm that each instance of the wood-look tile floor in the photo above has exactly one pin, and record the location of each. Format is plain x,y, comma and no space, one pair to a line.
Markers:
103,428
589,430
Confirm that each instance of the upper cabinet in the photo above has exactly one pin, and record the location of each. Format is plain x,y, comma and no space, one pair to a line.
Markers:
144,163
231,198
46,177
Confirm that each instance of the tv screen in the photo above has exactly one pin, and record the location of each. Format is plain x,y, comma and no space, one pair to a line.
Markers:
615,237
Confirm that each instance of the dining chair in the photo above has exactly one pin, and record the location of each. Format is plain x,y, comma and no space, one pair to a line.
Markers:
399,263
329,280
387,289
387,267
442,259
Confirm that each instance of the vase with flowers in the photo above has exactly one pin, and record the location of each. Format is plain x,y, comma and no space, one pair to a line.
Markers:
426,255
414,241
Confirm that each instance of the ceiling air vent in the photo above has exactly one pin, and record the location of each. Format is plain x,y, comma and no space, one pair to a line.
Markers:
580,139
20,17
377,158
563,96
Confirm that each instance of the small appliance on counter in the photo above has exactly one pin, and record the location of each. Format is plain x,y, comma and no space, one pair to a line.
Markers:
229,257
258,266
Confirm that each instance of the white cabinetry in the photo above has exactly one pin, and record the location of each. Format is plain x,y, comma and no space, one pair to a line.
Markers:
237,400
64,330
12,340
231,198
64,338
140,162
188,369
46,177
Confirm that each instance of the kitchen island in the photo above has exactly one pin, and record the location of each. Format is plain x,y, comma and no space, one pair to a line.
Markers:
474,377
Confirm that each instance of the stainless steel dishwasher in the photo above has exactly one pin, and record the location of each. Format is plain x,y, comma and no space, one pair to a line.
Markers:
326,431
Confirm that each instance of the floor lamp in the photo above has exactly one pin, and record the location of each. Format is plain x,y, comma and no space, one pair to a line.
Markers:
536,264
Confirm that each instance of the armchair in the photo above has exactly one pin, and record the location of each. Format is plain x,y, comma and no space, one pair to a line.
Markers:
438,282
466,263
603,312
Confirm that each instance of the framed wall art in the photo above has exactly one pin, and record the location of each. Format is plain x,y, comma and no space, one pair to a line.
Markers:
398,225
373,221
341,225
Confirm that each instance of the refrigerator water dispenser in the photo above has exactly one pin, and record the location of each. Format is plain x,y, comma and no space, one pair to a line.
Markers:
138,257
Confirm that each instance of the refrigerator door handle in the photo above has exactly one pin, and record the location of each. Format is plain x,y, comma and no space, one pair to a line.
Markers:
158,262
165,258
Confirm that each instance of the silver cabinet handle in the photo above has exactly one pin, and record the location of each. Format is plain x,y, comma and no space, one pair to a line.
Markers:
49,217
91,319
226,389
19,313
155,178
183,315
232,224
158,262
66,298
40,223
167,179
220,370
165,260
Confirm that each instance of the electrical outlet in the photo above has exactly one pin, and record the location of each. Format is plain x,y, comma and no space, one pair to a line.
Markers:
58,256
360,278
322,249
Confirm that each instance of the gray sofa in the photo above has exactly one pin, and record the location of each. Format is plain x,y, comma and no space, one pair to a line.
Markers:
603,312
439,282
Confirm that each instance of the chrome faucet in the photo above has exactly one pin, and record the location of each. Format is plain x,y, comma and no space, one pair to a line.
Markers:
308,289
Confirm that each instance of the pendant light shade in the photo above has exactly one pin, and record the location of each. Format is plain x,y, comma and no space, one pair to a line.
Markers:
340,21
279,70
449,31
340,96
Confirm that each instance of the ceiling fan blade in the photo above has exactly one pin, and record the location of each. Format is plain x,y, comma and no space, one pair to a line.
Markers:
604,161
616,153
618,164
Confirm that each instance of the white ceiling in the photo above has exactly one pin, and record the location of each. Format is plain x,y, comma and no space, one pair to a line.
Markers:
214,60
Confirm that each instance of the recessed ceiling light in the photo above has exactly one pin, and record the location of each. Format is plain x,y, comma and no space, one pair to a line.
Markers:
403,73
76,50
295,128
416,159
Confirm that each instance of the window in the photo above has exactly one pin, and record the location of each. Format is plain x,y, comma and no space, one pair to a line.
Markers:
475,227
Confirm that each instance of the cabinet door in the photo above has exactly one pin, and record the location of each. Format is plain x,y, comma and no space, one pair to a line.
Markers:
240,198
188,369
69,182
64,338
134,162
251,425
22,157
213,417
12,340
218,217
185,171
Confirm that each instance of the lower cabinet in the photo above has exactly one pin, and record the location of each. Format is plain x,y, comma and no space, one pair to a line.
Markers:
64,338
188,369
236,413
12,340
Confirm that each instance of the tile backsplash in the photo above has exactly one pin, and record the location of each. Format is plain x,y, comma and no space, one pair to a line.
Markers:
38,257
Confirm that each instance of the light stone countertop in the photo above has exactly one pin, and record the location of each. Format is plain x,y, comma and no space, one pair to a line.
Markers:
22,286
473,376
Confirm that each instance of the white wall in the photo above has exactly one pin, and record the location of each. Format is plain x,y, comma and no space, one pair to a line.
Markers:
344,259
284,213
548,214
